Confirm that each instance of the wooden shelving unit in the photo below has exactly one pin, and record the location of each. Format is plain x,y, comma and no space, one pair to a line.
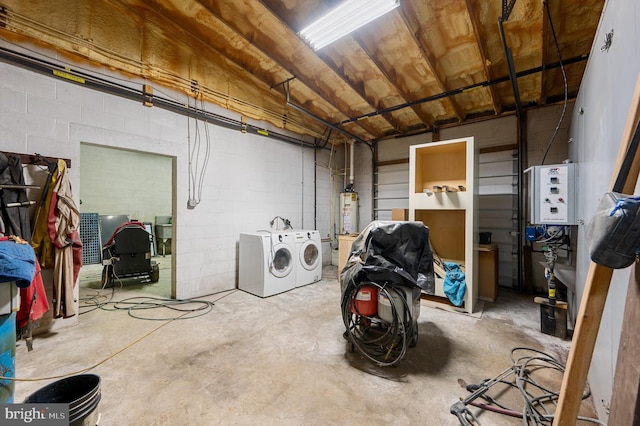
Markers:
443,195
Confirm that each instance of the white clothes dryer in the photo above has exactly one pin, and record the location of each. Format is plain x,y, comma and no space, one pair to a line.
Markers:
309,255
267,263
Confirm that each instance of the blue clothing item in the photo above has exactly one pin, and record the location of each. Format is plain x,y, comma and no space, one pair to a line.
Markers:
455,285
625,203
17,263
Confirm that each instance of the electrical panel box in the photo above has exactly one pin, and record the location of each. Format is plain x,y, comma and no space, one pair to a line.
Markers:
552,190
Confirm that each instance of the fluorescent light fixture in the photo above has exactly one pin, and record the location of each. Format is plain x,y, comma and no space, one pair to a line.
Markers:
349,16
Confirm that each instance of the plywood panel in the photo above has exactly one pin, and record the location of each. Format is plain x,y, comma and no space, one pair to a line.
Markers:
441,165
446,232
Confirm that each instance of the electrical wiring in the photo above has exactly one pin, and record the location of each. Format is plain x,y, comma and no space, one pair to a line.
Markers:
196,178
550,233
532,373
207,153
141,303
131,305
165,322
94,302
564,78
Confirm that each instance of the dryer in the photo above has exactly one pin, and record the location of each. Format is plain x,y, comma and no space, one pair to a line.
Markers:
267,263
309,257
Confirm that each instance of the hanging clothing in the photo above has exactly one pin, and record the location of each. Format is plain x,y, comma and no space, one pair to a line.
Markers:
64,224
41,242
14,217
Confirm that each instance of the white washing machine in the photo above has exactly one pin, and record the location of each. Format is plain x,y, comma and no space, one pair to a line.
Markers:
309,255
267,263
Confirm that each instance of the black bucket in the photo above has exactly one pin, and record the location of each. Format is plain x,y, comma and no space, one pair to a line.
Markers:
81,392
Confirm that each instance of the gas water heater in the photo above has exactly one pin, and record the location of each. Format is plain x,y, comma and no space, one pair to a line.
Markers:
348,212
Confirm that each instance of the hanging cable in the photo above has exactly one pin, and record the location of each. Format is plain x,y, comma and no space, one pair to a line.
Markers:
191,183
207,153
564,78
197,169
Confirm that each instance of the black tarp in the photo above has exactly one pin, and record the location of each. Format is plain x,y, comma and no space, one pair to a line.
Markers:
397,252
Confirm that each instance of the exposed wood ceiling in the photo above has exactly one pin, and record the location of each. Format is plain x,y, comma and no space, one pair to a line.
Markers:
427,64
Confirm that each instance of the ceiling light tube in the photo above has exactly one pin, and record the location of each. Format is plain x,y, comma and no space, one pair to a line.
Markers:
349,16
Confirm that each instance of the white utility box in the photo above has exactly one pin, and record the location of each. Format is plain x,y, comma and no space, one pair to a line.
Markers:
552,190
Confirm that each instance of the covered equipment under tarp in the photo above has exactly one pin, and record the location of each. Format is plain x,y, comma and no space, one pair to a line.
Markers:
128,254
390,264
393,251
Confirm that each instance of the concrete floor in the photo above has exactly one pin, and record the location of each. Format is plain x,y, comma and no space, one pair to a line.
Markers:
280,360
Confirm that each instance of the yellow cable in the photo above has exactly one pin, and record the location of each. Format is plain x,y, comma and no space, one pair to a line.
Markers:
99,363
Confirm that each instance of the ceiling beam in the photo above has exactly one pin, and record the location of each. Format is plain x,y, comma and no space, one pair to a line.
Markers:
424,117
429,60
360,90
291,62
494,81
497,107
83,49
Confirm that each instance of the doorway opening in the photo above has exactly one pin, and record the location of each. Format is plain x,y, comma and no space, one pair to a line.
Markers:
119,188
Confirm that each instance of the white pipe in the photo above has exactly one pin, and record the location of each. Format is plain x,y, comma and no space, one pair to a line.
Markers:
351,143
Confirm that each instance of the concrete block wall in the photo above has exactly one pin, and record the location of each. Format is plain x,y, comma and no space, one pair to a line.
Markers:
249,179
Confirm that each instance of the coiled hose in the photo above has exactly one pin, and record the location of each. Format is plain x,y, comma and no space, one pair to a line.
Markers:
383,342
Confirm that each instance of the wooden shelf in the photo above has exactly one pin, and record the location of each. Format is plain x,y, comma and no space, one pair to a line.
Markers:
450,216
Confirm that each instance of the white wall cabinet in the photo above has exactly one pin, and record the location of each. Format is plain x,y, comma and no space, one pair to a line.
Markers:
443,195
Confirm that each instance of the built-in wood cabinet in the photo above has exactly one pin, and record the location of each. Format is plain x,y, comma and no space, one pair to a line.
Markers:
443,195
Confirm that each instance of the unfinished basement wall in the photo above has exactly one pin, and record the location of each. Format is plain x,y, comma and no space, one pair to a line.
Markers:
599,118
249,179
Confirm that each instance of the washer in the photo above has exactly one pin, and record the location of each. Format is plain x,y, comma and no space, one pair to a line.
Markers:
309,255
267,264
